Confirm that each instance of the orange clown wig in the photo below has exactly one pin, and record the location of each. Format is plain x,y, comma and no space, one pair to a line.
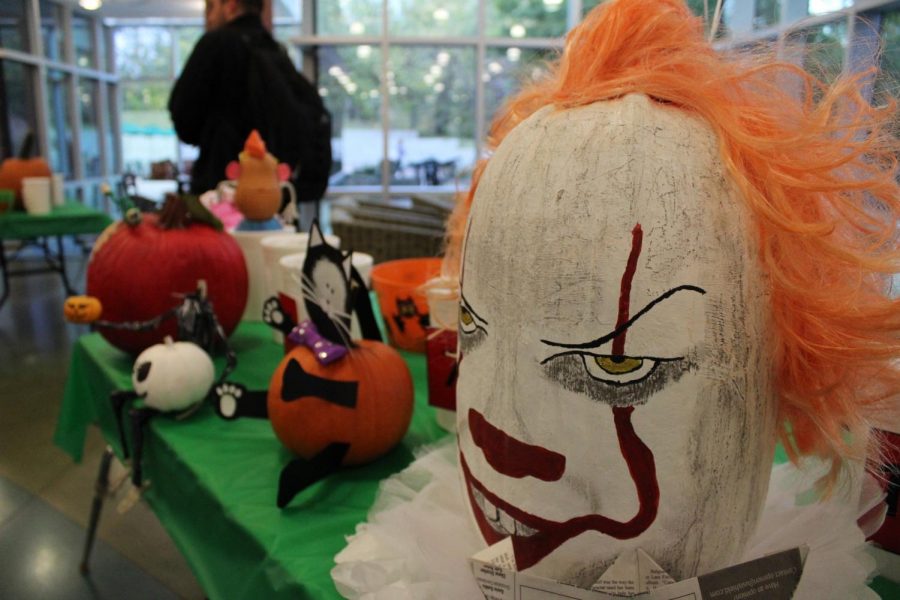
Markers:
817,168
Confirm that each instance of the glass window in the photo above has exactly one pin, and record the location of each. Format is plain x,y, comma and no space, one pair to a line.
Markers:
432,114
17,81
58,129
349,17
433,17
886,83
349,83
101,48
506,70
83,41
766,13
825,49
88,93
589,5
51,30
143,52
820,7
526,18
147,132
13,26
284,34
186,39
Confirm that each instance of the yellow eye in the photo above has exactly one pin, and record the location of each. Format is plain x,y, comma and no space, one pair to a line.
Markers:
618,365
465,316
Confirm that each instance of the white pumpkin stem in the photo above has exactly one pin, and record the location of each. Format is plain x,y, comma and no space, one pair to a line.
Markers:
168,340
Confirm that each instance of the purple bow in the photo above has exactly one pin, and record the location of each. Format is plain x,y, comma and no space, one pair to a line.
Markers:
326,352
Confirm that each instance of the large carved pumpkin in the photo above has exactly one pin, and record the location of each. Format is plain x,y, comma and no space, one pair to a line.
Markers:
139,272
364,399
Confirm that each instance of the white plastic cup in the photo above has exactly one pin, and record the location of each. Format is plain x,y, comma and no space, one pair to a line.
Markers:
251,245
443,313
58,189
290,268
36,195
276,246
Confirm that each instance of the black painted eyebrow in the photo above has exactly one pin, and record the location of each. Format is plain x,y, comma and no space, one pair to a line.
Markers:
470,309
619,330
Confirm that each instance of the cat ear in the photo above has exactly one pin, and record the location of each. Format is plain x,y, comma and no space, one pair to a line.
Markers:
315,235
347,264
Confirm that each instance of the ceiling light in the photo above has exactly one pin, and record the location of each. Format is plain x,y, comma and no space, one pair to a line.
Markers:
495,67
335,71
357,28
514,54
439,87
441,14
323,91
436,70
552,5
443,58
517,30
364,52
90,4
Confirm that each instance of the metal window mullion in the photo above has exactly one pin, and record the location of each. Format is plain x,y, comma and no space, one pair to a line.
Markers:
39,76
112,105
385,106
575,10
173,70
480,55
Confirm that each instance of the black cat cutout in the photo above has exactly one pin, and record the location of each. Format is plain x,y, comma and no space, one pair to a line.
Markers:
333,291
406,310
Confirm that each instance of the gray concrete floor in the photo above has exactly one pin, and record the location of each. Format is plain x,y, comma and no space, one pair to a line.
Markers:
45,498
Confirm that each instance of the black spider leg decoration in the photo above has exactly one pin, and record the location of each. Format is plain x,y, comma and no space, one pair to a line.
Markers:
119,399
362,306
424,319
233,400
276,317
301,473
139,418
136,325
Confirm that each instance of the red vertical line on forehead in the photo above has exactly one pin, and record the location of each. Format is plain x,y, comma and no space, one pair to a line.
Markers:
637,238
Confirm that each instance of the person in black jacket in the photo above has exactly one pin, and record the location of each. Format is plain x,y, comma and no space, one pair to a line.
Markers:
217,100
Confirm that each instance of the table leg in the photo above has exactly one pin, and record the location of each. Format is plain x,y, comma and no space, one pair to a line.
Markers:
101,488
4,267
61,258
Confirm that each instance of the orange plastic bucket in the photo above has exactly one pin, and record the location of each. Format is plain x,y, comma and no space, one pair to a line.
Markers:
403,304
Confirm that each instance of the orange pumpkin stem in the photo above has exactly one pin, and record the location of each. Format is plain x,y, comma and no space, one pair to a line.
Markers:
174,213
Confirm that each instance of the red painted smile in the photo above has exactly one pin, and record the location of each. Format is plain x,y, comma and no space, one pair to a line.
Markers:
534,537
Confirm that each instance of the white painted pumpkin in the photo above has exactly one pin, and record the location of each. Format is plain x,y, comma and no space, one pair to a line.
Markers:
614,390
172,375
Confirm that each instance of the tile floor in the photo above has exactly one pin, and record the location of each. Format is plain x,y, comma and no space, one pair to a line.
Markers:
45,498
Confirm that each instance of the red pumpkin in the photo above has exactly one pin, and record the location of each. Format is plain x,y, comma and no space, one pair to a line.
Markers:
373,421
14,170
138,271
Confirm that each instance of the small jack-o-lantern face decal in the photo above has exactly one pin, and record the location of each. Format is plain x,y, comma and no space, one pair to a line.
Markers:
82,309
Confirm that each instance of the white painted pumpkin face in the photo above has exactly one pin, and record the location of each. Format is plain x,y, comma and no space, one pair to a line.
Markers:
172,375
614,390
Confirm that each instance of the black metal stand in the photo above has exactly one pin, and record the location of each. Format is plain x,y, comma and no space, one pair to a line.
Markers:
56,263
101,489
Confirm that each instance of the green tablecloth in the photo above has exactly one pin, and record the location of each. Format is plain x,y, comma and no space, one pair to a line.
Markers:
214,482
71,218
